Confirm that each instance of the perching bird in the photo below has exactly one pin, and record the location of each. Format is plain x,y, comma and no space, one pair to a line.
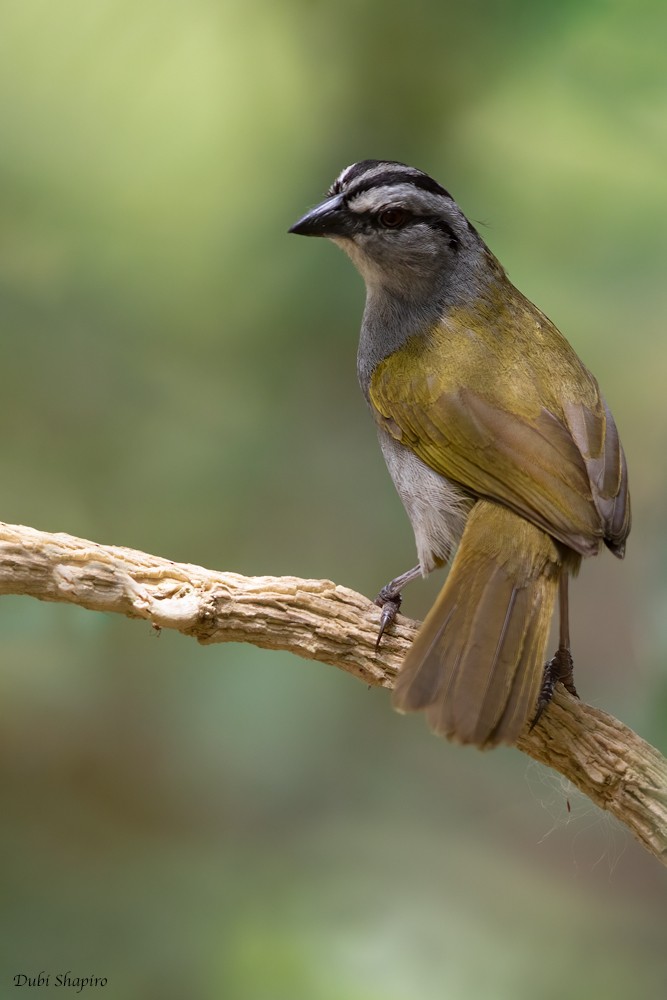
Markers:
498,441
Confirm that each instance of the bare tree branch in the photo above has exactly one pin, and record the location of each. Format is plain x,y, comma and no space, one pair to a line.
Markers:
319,620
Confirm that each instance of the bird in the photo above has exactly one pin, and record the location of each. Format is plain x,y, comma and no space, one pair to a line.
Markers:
500,445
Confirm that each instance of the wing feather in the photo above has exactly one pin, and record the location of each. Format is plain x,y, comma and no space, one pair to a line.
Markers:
558,464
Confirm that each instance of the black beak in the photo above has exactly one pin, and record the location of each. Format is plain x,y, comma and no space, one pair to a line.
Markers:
331,218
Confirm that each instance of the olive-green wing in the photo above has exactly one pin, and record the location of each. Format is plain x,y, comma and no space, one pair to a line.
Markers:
564,473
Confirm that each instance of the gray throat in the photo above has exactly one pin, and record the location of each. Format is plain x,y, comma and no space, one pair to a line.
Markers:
388,322
390,318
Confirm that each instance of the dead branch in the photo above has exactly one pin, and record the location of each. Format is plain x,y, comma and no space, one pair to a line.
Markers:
319,620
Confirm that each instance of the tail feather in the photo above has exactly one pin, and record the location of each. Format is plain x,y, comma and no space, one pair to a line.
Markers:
425,682
476,664
521,703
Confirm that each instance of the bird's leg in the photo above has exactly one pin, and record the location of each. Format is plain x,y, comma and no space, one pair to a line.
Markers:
565,671
560,667
389,599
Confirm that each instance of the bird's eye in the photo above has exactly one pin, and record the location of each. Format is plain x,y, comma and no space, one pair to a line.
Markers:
392,218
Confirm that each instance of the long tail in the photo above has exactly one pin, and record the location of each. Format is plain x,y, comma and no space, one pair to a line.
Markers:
476,664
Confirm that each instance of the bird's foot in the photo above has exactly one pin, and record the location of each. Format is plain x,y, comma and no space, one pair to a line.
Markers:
559,668
389,600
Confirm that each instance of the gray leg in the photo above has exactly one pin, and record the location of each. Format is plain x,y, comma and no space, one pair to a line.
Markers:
389,599
560,667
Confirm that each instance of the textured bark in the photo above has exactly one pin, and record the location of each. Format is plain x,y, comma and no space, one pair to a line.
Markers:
319,620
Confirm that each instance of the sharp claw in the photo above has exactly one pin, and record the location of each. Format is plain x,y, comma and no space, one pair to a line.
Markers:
549,679
559,668
565,669
390,607
538,714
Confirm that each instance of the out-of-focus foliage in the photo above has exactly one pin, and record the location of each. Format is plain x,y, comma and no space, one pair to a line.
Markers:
178,375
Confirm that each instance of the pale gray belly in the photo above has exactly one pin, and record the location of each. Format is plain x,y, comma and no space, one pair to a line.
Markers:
437,508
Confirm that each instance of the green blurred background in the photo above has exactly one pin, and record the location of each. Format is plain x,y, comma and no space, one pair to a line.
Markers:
178,375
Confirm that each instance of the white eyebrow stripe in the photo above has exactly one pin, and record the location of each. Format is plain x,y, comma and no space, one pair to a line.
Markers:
407,195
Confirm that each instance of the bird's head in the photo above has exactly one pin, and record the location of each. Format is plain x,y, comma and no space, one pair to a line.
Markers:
403,231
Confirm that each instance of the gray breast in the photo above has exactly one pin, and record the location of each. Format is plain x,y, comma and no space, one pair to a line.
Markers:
437,508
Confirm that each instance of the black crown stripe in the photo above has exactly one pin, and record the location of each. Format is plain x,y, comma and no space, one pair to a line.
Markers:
389,177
